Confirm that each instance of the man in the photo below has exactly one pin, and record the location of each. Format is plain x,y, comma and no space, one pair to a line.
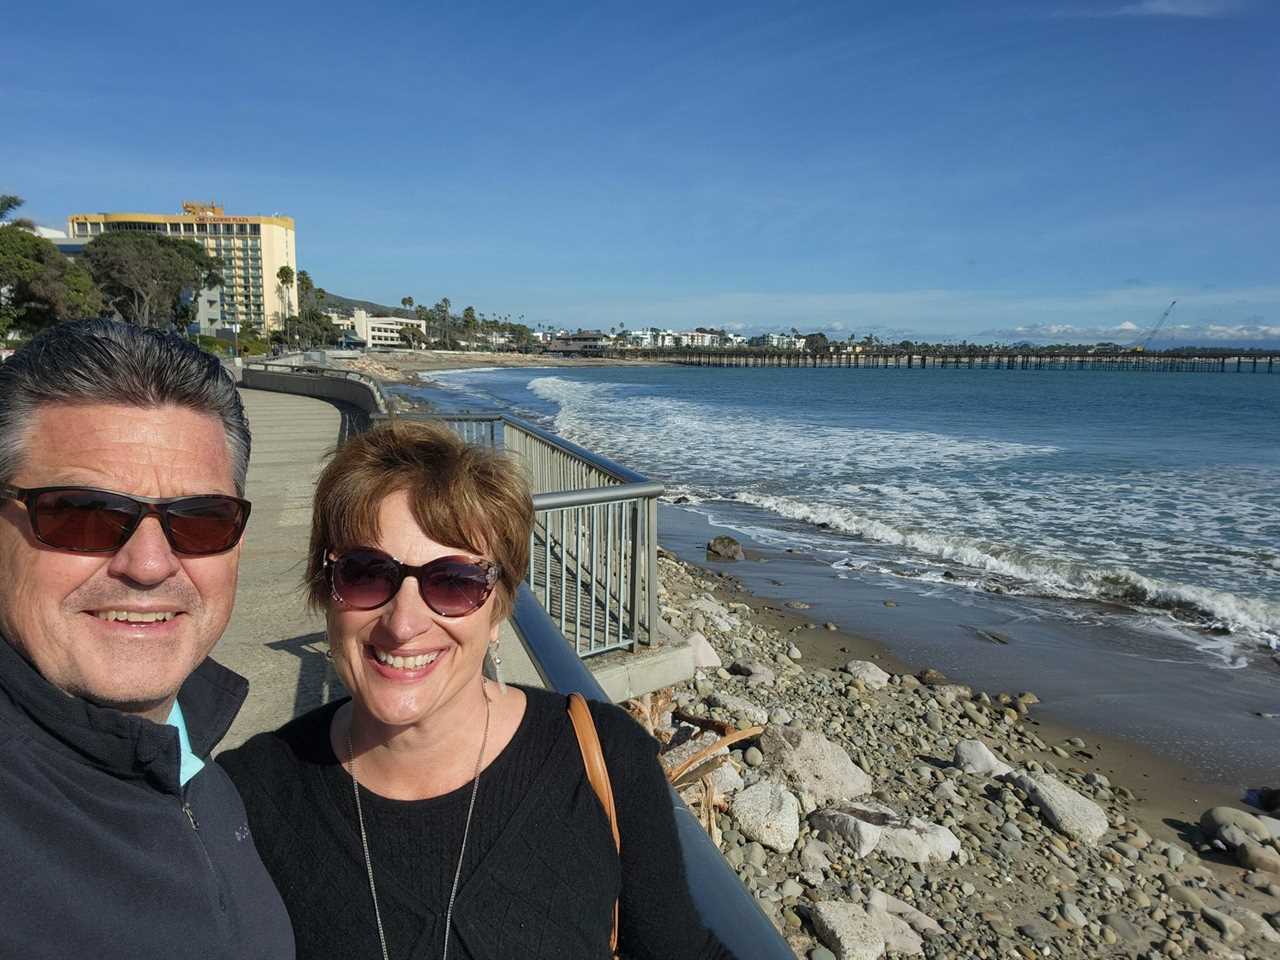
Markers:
123,454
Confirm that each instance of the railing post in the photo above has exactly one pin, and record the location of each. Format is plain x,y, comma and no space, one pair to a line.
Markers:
651,564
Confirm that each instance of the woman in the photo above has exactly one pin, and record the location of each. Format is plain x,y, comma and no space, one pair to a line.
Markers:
436,813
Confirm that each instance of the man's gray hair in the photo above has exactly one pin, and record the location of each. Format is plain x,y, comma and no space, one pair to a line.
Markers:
107,361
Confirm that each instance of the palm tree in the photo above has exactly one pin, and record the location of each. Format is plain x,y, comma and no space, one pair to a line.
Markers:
407,302
284,287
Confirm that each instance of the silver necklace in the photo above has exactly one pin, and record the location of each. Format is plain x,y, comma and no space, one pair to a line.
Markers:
466,832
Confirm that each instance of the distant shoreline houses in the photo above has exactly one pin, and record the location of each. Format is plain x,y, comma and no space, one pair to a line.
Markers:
585,342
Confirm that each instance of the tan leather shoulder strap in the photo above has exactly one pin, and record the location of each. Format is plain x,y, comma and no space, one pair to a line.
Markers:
598,775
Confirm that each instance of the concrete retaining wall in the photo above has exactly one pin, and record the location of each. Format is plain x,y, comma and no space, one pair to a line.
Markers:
356,393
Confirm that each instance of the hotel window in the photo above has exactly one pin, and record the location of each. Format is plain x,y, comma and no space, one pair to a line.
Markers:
254,229
82,229
242,228
188,228
95,228
202,228
175,228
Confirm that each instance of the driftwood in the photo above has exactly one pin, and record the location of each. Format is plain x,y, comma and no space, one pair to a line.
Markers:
728,739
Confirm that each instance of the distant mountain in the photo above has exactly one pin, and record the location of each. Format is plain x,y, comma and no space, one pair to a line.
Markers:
348,305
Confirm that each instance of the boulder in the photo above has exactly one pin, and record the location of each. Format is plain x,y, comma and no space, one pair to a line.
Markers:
847,930
1214,819
814,765
855,822
768,814
872,677
757,673
974,756
1253,923
1254,856
725,549
870,826
1067,811
704,655
920,922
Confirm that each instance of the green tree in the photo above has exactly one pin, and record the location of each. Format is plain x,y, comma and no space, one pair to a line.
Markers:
441,311
144,277
284,288
407,303
469,325
38,285
10,202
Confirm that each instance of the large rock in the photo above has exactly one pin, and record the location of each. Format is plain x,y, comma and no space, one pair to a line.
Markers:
1067,811
725,548
1214,819
871,675
870,826
739,707
1254,856
857,823
814,765
847,930
1253,923
768,814
704,655
920,922
974,756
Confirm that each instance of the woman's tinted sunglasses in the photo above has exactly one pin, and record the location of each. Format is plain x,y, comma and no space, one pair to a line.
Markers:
364,579
88,520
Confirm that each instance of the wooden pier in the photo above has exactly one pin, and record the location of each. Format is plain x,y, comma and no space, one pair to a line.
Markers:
987,360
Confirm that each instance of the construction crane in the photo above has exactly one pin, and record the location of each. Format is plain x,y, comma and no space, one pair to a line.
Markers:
1141,347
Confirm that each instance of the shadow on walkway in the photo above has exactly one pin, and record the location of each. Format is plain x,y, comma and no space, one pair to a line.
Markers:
317,683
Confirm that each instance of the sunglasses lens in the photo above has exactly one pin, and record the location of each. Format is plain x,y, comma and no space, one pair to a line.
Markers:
206,525
455,587
84,520
365,579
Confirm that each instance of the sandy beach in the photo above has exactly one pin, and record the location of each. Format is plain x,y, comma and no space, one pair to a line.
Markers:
405,366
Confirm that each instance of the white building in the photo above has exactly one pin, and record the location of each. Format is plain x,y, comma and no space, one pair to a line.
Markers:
778,341
382,332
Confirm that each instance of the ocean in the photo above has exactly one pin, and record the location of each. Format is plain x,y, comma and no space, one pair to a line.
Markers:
1142,498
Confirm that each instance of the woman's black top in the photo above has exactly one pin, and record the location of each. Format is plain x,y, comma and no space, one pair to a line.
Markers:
540,873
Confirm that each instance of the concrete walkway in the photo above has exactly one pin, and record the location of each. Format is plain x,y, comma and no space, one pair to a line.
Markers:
272,639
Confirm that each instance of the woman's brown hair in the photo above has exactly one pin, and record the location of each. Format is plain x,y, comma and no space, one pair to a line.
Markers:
464,496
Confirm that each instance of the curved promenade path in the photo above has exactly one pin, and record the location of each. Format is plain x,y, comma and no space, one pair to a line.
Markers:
272,638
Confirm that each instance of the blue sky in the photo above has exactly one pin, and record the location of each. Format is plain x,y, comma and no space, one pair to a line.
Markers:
943,169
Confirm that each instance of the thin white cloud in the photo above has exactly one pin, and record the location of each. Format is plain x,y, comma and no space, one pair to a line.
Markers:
1122,314
1201,9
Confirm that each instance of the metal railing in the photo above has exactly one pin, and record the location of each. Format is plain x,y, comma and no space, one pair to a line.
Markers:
593,553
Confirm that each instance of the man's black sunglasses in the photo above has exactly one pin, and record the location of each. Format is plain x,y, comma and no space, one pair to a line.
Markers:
88,520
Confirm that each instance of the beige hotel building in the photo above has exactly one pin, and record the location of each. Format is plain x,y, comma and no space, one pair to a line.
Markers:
252,250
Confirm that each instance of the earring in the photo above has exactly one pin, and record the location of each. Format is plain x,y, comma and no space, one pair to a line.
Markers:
495,662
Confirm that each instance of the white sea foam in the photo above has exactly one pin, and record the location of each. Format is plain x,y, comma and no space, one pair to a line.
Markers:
1195,542
1051,576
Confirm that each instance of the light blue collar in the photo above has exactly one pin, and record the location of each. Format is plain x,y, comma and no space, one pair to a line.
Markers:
190,764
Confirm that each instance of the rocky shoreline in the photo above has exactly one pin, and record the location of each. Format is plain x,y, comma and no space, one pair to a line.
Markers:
878,812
